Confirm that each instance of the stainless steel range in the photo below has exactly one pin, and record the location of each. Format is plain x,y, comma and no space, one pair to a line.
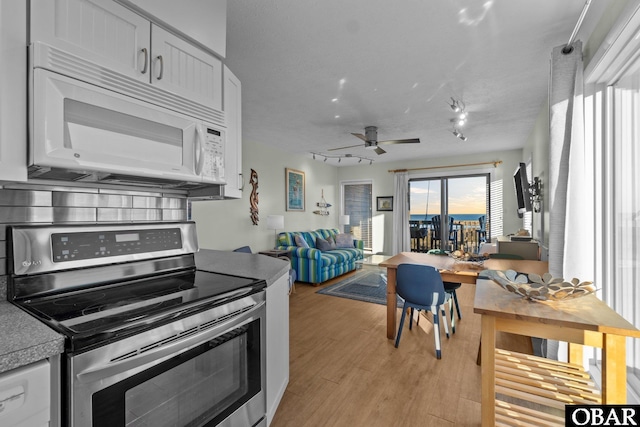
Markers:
150,339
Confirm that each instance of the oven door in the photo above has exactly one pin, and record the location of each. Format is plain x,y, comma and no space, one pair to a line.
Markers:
205,370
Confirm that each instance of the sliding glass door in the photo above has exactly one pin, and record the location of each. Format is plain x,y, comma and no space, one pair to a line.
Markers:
449,212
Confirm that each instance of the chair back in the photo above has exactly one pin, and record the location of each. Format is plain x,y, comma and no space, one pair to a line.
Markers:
420,285
435,223
245,249
483,223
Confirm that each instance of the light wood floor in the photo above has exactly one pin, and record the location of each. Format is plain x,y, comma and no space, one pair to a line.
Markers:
345,372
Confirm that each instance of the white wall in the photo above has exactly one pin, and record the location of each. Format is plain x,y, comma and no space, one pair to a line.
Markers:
226,224
383,186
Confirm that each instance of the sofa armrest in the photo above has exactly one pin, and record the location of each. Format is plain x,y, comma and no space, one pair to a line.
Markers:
358,244
308,253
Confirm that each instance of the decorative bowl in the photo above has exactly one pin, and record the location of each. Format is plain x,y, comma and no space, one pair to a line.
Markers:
541,288
467,257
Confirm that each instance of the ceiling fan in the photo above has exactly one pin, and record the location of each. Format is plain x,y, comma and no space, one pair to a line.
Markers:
370,139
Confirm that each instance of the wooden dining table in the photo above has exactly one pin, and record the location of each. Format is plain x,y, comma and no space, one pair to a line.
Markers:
451,271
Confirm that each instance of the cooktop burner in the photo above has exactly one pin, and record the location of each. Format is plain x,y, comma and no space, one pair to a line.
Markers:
108,312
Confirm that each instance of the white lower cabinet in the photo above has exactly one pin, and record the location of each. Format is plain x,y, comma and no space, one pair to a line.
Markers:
25,396
277,344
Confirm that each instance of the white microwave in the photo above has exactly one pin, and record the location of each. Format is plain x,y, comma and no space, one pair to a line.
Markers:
83,132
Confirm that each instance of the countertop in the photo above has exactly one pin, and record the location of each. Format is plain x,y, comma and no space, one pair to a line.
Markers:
25,340
242,264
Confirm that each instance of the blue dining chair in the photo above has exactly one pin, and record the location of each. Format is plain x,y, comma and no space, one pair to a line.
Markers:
450,288
421,288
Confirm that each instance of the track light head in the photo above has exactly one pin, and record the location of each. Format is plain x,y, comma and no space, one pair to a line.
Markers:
455,106
314,156
325,160
456,133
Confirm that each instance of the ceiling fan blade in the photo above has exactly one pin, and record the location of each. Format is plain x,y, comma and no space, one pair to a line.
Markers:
400,141
379,150
361,136
343,148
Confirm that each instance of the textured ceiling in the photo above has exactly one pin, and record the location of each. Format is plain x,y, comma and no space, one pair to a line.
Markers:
313,71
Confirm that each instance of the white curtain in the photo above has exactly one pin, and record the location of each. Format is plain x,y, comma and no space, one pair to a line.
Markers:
401,237
571,222
571,217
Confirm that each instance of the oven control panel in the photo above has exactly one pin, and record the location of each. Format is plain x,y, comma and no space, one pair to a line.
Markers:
73,246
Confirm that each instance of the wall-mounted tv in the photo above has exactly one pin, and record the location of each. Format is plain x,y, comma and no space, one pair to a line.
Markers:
522,189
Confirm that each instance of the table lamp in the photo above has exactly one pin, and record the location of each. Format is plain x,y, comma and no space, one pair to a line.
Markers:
343,220
275,223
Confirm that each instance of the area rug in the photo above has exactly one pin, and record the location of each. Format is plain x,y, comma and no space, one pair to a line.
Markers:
368,285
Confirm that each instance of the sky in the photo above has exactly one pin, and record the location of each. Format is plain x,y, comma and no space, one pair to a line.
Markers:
466,196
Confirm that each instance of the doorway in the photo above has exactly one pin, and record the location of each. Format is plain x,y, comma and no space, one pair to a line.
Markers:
449,213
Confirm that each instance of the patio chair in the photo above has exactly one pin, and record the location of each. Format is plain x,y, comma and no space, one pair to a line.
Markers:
436,234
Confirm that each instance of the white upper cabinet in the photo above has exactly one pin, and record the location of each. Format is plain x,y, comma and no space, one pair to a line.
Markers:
233,148
180,67
13,93
100,31
106,34
204,21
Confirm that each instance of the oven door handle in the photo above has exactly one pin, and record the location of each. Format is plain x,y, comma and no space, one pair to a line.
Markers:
166,350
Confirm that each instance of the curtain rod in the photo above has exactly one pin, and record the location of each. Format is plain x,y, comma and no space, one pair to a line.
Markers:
568,49
494,163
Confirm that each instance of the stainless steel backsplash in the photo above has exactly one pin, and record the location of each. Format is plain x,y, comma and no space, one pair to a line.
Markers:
47,204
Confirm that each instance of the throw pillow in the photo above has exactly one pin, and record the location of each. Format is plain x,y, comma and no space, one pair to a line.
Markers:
300,242
344,240
325,245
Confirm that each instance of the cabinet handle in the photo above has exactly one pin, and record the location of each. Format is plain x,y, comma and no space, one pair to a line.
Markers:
146,60
161,67
242,185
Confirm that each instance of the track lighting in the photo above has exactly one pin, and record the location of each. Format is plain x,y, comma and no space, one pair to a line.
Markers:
460,119
340,157
455,106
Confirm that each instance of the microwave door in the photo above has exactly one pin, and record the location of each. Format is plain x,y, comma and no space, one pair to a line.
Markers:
79,126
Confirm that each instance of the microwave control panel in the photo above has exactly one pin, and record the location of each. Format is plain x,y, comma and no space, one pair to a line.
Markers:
213,166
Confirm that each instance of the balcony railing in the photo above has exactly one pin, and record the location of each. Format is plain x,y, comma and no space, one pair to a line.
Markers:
464,234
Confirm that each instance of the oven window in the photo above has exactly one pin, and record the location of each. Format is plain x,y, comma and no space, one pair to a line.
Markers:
202,386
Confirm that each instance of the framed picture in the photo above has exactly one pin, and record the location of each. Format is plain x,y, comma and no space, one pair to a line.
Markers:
384,203
294,184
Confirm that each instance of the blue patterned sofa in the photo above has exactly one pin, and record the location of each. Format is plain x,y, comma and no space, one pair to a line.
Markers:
313,265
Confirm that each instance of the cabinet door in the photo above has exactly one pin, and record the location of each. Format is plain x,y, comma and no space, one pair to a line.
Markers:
182,68
277,343
204,21
13,83
99,31
233,147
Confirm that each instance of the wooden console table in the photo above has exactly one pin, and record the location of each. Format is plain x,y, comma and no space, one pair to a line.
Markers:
581,321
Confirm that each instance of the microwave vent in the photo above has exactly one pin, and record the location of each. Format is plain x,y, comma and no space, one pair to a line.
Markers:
57,174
